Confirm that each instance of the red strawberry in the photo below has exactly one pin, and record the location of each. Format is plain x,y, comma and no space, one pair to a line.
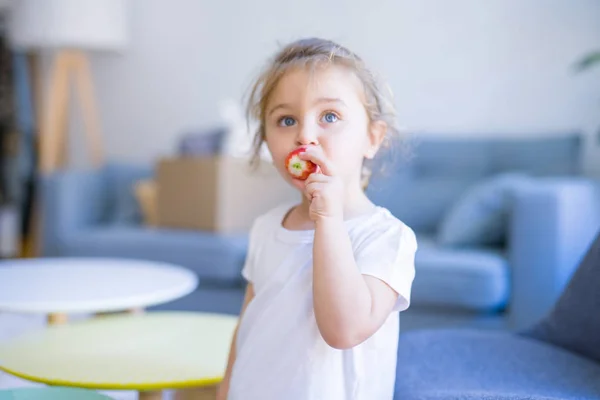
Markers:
297,167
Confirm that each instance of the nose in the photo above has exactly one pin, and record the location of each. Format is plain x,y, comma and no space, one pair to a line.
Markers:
307,135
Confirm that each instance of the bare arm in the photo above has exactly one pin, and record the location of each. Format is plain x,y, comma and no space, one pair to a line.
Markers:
349,307
224,386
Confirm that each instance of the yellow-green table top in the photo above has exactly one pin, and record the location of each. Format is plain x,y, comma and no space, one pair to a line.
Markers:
151,351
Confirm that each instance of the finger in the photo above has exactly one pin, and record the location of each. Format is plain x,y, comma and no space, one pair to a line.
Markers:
312,189
316,177
308,196
316,155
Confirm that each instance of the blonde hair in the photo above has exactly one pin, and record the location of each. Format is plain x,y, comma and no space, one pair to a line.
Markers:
310,53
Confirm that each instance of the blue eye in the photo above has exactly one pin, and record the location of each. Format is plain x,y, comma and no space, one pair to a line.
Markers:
330,118
287,121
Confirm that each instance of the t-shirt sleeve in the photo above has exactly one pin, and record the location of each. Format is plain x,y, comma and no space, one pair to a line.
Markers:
389,255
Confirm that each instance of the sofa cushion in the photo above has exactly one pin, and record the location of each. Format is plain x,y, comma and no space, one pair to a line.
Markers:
472,278
468,364
419,205
480,216
420,189
211,256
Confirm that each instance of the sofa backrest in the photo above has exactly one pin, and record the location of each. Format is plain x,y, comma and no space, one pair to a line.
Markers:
419,189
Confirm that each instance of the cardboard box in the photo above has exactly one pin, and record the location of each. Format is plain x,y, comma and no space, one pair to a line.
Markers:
218,194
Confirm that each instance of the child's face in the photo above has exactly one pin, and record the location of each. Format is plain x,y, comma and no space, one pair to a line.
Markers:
325,108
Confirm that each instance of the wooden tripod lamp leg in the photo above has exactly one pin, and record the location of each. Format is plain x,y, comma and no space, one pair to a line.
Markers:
85,90
54,115
51,115
52,121
53,129
62,144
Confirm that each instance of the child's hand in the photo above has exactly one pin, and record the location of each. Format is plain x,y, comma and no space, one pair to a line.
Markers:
324,190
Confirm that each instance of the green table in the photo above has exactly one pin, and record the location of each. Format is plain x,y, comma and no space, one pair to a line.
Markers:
148,352
50,394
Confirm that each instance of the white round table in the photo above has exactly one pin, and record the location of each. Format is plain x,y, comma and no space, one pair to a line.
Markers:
59,286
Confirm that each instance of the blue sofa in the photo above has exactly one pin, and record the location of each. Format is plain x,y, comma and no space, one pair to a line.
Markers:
557,358
552,220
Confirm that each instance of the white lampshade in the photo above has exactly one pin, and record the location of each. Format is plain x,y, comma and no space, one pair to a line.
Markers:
99,25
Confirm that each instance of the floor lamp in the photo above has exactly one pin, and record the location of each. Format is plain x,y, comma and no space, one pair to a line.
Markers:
66,32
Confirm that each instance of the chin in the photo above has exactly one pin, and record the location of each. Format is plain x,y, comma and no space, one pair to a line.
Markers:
297,183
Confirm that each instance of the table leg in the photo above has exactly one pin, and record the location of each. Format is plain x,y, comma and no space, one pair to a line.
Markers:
200,393
154,395
57,319
132,311
136,311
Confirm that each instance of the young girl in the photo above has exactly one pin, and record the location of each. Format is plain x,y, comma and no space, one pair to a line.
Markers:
326,277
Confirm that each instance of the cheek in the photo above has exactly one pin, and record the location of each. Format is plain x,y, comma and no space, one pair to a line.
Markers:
278,147
274,149
349,143
272,139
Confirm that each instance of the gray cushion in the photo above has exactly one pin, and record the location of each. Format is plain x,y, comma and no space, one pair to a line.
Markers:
574,323
472,278
211,256
421,189
465,364
421,204
480,217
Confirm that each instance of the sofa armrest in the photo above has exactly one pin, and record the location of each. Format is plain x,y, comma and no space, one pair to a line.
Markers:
71,201
553,223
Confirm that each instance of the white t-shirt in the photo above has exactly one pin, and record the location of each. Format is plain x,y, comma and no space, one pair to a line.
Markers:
280,351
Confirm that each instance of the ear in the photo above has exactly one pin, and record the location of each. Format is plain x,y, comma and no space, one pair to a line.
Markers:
377,132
